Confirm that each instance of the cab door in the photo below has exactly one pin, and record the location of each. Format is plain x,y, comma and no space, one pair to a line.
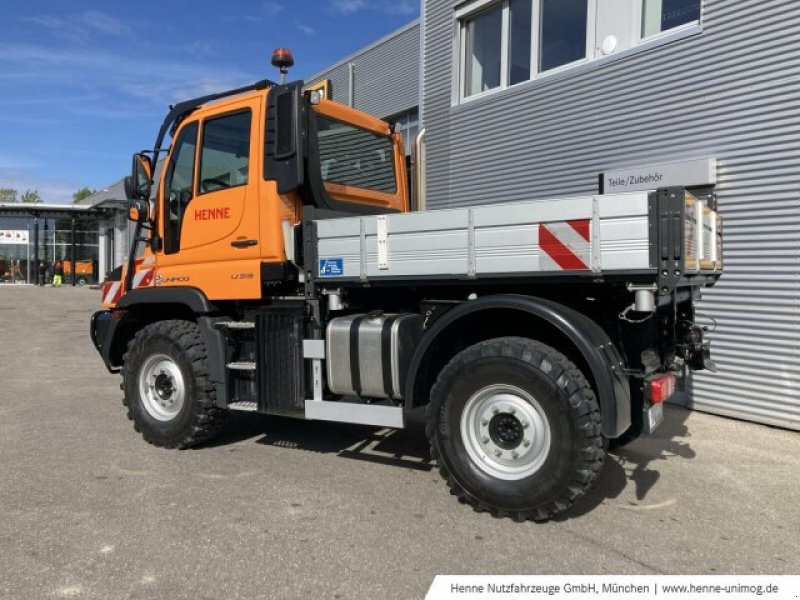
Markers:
210,216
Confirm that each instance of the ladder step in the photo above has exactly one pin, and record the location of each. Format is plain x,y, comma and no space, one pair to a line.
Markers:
243,406
240,325
242,366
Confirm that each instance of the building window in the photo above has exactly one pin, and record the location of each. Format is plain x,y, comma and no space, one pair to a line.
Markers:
521,39
507,42
662,15
563,32
406,123
484,50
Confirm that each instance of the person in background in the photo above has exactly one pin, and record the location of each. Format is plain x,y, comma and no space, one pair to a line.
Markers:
58,272
41,273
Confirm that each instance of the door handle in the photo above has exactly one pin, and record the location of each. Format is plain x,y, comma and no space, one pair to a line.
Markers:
244,243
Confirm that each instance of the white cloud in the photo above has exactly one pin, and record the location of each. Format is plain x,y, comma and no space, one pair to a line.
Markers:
81,27
52,191
349,6
306,29
389,7
266,10
271,9
137,86
402,7
103,23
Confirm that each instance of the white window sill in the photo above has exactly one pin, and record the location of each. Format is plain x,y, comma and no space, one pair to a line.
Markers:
585,65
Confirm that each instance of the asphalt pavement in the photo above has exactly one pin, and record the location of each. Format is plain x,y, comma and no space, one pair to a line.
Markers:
277,508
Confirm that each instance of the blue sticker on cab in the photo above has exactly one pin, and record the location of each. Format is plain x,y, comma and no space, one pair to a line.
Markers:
331,267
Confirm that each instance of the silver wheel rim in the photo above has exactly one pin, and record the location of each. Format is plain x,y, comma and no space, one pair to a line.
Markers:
505,432
161,387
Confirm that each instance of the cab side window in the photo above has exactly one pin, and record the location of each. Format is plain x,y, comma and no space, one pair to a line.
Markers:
225,153
178,187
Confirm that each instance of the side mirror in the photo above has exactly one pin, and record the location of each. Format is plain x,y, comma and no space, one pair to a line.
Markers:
139,211
138,185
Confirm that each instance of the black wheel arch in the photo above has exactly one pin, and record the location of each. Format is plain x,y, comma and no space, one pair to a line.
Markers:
571,332
113,330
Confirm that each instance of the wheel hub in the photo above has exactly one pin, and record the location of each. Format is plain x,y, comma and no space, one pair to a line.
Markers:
164,386
161,387
505,432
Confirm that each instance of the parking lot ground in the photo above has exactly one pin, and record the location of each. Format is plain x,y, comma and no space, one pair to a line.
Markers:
284,509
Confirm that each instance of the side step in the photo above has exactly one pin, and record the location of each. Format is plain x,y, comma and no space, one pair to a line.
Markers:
235,325
242,366
243,406
358,414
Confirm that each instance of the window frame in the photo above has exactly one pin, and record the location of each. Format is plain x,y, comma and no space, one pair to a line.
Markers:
390,140
467,11
200,146
167,184
638,22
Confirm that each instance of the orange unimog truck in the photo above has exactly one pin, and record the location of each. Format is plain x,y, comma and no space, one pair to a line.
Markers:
281,268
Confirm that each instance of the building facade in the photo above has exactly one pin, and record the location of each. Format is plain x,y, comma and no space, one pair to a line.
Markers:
383,80
525,99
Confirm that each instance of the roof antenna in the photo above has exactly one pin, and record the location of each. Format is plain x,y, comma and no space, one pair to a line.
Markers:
283,60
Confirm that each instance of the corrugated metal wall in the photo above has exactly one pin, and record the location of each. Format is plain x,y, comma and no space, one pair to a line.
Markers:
731,92
386,75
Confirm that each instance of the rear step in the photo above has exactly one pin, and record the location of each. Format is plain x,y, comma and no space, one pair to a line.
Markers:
242,366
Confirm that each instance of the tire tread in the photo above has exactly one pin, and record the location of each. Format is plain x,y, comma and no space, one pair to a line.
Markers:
207,419
582,403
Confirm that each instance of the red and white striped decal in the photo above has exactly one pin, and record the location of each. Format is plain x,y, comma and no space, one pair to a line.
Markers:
112,292
144,278
565,245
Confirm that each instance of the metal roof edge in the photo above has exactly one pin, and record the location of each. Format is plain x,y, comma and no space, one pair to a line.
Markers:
390,36
44,207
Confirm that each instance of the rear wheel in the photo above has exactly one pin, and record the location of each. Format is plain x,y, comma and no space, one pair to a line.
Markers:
169,395
515,427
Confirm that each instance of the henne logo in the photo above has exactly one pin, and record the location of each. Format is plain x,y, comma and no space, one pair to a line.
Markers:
212,214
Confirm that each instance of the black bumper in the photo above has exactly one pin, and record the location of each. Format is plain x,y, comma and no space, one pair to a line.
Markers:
102,328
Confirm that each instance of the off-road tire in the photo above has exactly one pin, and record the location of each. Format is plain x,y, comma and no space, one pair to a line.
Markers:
577,449
199,419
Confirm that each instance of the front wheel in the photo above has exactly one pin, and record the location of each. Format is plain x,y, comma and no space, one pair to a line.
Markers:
515,427
169,395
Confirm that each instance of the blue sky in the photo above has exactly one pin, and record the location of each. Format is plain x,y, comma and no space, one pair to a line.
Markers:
84,84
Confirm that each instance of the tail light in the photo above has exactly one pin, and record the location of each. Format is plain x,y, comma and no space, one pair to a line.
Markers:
662,388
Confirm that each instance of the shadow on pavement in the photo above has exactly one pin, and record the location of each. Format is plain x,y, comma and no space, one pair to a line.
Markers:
407,448
633,464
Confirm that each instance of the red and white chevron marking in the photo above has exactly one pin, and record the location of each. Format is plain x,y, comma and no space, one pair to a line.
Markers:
565,246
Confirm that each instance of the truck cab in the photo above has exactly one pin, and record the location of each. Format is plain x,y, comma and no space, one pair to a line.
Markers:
221,214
